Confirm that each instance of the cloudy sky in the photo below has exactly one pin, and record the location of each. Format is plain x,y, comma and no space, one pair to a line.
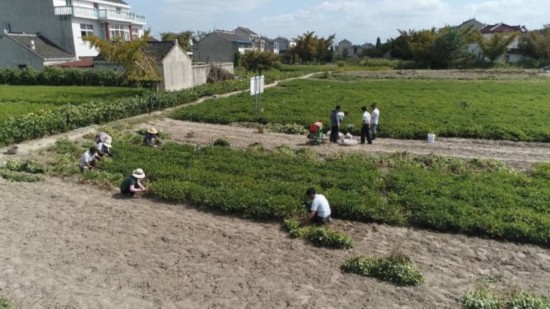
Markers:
359,21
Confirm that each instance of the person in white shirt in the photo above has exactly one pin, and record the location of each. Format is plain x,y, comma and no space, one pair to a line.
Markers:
88,159
319,212
365,129
374,120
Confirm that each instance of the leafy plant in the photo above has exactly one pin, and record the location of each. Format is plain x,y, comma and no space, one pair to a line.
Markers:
19,176
480,297
27,166
221,142
5,304
396,268
320,236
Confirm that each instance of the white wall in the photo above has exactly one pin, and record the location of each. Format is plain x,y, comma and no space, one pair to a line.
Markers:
82,48
177,70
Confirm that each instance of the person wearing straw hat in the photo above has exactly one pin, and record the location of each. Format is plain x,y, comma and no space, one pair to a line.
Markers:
151,138
104,148
132,183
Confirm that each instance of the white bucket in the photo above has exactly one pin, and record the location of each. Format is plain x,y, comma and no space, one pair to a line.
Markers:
431,138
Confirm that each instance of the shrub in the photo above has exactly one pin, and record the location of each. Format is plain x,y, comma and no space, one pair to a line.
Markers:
19,176
320,236
27,166
396,268
480,297
221,142
4,304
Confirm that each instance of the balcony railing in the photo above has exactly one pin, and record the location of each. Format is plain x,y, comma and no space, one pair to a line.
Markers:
100,14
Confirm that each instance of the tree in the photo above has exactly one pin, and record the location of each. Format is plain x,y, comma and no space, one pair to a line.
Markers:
257,61
496,45
311,48
138,67
536,44
185,39
378,43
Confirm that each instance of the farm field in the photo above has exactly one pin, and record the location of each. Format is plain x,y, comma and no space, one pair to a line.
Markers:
410,108
20,100
68,243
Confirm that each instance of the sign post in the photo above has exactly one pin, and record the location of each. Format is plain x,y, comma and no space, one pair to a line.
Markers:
257,88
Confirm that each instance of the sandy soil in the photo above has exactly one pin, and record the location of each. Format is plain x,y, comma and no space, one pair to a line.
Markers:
65,245
520,155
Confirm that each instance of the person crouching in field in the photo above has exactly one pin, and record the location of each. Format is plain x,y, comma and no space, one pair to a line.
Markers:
104,148
102,137
151,138
89,159
319,212
132,183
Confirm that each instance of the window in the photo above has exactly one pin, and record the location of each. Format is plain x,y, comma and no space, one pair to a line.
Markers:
118,10
119,32
96,6
7,27
135,34
86,30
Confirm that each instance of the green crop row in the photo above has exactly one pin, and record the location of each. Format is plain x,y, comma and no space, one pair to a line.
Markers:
69,116
409,109
473,197
62,77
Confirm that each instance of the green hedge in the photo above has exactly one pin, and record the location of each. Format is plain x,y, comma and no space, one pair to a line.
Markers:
54,76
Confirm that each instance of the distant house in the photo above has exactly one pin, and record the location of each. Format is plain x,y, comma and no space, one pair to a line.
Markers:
284,44
360,50
64,23
30,50
221,45
487,31
173,64
344,48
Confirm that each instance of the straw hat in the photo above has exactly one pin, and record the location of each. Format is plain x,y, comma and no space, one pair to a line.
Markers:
107,144
138,173
152,130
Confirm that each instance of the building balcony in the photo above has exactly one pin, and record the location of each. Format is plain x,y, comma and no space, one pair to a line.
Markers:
100,14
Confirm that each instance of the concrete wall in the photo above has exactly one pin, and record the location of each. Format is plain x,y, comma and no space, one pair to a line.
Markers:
214,48
20,55
201,71
177,70
32,16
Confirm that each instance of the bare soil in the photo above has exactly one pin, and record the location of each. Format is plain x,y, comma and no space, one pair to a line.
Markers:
519,155
66,245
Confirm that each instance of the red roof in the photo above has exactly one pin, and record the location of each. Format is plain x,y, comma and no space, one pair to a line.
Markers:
82,63
501,28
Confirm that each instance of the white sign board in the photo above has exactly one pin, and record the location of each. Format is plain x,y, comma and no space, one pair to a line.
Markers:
256,85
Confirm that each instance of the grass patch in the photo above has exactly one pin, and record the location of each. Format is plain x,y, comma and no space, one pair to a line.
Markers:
489,109
483,296
22,171
320,236
396,268
5,304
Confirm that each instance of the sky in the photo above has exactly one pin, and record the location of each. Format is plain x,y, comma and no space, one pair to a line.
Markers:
359,21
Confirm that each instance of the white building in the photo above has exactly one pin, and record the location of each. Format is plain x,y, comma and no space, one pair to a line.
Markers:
65,22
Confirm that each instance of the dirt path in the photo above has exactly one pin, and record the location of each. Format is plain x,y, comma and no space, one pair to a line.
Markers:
66,245
520,155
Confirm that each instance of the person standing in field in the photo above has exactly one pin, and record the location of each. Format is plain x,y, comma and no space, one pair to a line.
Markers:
365,129
319,212
374,120
132,183
88,160
335,124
